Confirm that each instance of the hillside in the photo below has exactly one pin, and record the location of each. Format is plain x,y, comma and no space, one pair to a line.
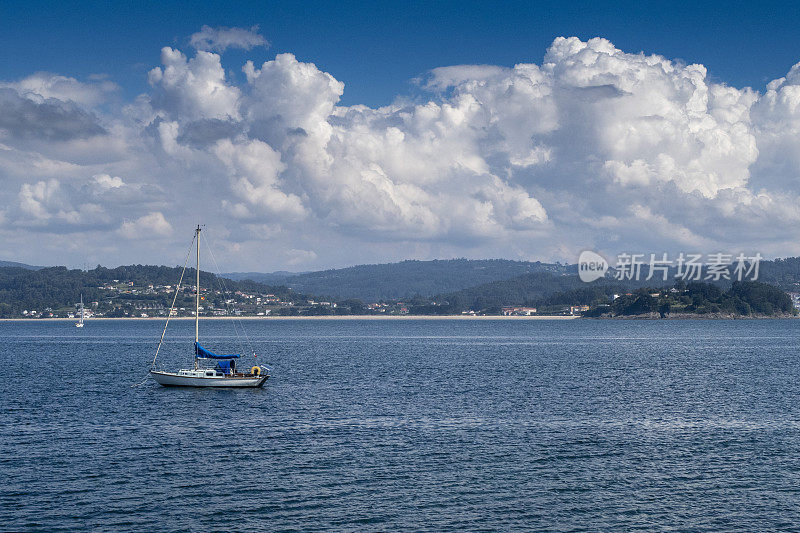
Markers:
114,290
416,287
545,289
742,298
14,264
440,278
554,294
783,273
539,289
393,281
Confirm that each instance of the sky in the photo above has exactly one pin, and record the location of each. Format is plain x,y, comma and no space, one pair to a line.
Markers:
317,135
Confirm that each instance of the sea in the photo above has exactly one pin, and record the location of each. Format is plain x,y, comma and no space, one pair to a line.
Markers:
419,425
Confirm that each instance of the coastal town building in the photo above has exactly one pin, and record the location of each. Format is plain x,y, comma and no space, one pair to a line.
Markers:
518,311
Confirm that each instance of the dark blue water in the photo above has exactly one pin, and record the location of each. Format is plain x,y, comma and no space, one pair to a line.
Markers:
426,425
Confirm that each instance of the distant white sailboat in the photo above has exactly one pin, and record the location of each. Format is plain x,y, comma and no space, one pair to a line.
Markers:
80,322
224,373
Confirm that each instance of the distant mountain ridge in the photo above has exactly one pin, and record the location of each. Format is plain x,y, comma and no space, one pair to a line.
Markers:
392,281
488,282
14,264
469,279
535,289
548,289
278,277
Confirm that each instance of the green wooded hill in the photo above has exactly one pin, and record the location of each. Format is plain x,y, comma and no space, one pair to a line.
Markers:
540,289
743,298
18,265
429,287
783,273
406,279
545,291
549,292
393,281
59,287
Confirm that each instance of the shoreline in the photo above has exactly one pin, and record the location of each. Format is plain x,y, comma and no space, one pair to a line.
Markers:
677,317
690,316
322,317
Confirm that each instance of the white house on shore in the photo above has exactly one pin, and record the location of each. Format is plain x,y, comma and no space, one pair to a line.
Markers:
518,311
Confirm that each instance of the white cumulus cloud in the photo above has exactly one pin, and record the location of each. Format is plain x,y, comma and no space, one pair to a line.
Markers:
145,227
193,88
43,85
595,147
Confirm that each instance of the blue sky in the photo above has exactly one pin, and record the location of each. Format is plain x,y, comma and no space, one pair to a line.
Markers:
370,132
377,47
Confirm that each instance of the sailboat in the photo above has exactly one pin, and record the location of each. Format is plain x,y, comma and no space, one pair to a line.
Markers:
224,373
80,322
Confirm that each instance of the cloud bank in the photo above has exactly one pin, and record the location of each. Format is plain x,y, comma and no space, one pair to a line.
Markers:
594,148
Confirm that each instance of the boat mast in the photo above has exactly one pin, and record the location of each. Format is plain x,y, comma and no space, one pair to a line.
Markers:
197,290
197,297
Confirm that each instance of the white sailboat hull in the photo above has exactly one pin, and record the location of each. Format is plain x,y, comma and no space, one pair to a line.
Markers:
171,379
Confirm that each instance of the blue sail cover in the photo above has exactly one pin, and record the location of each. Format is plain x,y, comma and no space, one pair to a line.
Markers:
202,353
226,367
